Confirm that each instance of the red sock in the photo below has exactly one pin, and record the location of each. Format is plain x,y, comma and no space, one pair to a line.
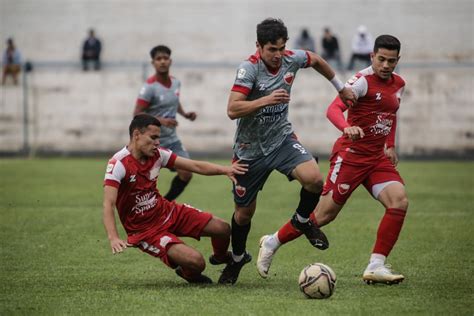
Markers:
220,246
288,232
389,229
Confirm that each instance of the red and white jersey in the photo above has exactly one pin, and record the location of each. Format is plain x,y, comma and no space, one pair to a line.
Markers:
139,203
378,101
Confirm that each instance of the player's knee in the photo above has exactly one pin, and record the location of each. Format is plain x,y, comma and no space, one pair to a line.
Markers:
313,183
222,228
399,201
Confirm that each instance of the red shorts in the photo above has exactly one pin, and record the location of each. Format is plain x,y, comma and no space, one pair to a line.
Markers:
184,221
349,170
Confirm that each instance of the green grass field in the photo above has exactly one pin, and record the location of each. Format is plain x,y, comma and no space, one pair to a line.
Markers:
55,257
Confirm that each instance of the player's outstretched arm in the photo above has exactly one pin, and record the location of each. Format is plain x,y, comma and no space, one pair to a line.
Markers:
209,168
110,198
321,66
238,106
335,114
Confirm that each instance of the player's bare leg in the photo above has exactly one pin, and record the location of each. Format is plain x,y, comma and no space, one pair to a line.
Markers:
190,263
394,198
240,229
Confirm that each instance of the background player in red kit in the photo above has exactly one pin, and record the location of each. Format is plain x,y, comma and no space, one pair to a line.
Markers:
365,154
153,223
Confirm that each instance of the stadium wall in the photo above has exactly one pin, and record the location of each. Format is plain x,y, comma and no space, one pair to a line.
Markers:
70,111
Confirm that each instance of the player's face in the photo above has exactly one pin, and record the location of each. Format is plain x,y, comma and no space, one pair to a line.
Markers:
162,63
148,141
272,54
384,62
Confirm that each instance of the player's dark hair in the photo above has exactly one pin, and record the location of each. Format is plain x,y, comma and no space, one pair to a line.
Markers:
270,31
141,122
388,42
160,49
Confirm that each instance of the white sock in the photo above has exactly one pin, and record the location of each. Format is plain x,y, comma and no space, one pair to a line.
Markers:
272,242
301,219
237,258
377,259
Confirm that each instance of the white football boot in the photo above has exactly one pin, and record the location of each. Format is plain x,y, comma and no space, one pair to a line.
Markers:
265,256
381,274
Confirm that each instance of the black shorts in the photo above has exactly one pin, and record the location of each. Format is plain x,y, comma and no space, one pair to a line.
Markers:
284,159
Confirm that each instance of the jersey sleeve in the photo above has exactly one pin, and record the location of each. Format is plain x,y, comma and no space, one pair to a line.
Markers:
335,114
114,173
400,93
245,78
167,157
359,85
302,58
145,95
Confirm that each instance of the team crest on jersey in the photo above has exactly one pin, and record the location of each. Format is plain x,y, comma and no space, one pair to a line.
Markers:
241,73
289,76
352,80
110,165
240,190
343,188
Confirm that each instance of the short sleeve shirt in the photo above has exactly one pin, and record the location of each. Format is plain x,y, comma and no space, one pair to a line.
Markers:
261,132
378,101
138,200
163,101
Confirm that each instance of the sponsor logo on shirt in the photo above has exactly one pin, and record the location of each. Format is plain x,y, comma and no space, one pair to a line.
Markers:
378,96
382,126
144,202
133,178
289,76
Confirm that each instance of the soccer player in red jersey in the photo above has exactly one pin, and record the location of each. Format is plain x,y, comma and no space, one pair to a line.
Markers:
365,154
154,224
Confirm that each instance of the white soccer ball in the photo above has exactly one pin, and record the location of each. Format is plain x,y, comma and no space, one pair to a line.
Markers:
317,280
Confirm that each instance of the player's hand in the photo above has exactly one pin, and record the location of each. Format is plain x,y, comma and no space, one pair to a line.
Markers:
348,97
190,116
354,132
118,245
237,168
392,155
168,122
278,96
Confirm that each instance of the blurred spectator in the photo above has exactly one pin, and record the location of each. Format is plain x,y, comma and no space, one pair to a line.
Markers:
305,41
362,46
330,47
91,51
11,62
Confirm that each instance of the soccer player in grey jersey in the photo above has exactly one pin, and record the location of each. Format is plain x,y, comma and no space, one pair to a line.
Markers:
265,140
159,97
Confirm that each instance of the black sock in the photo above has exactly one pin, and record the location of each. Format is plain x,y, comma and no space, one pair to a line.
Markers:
177,186
239,237
308,201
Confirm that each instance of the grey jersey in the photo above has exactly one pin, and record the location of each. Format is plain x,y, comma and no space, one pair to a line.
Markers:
163,101
261,132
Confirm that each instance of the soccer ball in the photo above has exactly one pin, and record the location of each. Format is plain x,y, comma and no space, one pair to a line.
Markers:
317,280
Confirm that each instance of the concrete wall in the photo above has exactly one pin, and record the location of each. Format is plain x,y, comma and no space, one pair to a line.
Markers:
72,111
